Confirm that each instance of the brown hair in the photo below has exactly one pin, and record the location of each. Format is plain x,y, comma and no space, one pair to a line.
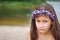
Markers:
55,29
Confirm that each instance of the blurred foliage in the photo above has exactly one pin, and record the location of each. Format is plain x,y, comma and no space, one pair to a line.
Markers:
15,9
17,12
24,0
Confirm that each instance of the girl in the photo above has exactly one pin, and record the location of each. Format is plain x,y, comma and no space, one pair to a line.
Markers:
44,24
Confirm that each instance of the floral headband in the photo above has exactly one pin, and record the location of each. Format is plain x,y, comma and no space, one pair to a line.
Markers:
41,12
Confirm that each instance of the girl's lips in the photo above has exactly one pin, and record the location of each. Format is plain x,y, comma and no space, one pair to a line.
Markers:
41,29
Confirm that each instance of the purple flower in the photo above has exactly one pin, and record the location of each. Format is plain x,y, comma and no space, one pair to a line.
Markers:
42,11
52,16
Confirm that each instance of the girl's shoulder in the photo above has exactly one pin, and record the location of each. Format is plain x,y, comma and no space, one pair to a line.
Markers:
28,36
51,38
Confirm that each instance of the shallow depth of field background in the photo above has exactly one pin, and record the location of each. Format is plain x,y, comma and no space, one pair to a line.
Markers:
15,17
17,12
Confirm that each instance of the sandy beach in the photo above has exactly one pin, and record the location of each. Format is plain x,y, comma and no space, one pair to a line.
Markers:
13,32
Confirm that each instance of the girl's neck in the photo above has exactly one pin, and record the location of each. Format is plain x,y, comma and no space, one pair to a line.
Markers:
47,36
44,34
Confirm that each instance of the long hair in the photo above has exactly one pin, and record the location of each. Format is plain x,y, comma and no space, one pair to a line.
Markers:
55,29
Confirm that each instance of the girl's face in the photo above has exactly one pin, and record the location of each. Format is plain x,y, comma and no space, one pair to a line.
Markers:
43,23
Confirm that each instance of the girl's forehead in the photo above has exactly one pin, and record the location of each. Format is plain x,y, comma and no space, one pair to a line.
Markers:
43,16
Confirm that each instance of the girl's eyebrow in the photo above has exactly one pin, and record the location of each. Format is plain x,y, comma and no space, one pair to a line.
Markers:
43,19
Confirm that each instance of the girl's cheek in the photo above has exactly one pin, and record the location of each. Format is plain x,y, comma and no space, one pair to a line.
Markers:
37,25
47,24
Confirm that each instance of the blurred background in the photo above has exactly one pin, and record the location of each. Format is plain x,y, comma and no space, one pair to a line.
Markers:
17,12
15,17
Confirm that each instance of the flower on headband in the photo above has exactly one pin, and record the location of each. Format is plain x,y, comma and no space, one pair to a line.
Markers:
41,12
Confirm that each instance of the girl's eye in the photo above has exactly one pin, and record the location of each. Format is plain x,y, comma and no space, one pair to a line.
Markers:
45,21
38,20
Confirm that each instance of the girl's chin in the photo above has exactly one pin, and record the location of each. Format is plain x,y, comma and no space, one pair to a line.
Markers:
42,31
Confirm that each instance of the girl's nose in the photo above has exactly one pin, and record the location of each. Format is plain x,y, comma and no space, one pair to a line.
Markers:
41,24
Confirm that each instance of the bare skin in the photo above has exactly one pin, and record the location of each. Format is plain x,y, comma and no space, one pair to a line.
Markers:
46,36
